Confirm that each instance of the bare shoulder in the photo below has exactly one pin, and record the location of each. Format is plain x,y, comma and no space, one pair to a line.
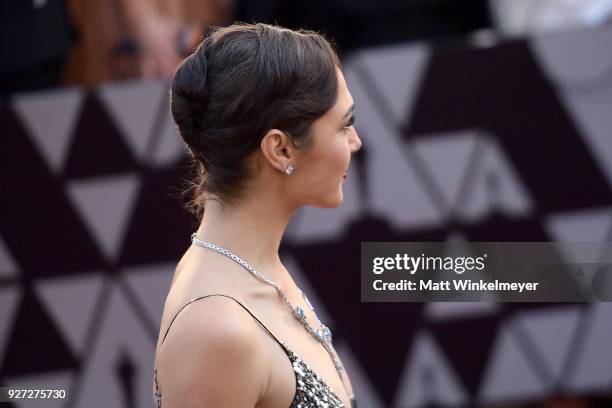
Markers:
212,356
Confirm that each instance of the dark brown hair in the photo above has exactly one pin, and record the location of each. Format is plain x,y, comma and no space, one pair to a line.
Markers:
240,82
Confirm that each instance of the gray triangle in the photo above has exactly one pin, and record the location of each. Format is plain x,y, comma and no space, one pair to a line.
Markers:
592,225
398,70
50,118
105,205
573,56
449,157
593,369
428,377
70,302
509,375
551,331
363,388
170,147
582,239
151,284
8,266
134,105
590,111
57,380
577,60
496,185
121,335
9,300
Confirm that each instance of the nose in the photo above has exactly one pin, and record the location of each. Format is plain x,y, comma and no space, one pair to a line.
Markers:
355,141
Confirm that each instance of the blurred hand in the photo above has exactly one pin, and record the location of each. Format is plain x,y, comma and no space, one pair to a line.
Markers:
157,39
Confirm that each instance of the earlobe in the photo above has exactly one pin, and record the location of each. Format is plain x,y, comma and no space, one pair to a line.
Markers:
274,148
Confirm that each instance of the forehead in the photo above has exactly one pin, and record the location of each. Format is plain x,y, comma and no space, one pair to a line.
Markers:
335,117
345,100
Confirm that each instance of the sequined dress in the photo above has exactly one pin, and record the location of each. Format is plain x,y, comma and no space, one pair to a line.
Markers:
311,391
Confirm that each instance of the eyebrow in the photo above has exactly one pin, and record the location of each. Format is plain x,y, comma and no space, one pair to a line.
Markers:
349,111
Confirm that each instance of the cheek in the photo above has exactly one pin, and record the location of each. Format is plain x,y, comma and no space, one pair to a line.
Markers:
335,160
325,165
343,155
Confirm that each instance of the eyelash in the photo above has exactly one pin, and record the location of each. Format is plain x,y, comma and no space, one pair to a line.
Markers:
350,123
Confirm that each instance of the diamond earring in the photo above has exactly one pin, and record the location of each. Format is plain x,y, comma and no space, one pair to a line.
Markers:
289,169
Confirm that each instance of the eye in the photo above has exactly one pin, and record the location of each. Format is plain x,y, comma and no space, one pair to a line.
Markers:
349,123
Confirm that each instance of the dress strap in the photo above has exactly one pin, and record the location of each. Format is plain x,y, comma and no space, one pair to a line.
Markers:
218,294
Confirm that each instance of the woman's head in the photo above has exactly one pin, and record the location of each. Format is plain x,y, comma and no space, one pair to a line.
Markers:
253,99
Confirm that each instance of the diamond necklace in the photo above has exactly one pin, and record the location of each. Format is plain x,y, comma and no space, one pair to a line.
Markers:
322,335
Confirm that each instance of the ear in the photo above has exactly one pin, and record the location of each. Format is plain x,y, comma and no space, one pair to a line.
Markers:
277,149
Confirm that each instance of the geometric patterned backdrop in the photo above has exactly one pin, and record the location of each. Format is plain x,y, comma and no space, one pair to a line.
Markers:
504,142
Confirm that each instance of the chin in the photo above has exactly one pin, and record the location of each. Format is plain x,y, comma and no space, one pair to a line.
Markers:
332,201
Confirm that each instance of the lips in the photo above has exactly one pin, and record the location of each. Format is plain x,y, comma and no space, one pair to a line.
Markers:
344,176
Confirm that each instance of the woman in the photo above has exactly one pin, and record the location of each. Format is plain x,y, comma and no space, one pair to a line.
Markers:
267,117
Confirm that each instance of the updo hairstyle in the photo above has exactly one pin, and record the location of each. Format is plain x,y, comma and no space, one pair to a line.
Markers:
240,82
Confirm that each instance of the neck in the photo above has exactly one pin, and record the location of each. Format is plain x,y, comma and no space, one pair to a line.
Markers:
253,231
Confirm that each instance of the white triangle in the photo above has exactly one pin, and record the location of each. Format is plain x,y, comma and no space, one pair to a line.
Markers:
593,369
70,302
590,112
580,56
363,388
509,375
8,266
9,300
105,205
135,106
50,118
572,56
496,185
591,225
170,148
57,380
428,377
397,72
448,157
151,284
551,331
121,334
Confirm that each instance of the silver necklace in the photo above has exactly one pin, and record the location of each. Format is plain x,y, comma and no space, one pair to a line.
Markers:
323,334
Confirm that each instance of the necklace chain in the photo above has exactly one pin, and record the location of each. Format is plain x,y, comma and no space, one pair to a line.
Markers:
323,335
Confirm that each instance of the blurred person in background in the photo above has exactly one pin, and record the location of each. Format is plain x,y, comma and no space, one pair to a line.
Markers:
137,38
50,43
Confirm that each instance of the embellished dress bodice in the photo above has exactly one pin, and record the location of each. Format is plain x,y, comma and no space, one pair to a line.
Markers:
310,390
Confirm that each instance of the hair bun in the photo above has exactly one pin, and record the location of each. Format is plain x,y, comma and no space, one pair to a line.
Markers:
189,90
